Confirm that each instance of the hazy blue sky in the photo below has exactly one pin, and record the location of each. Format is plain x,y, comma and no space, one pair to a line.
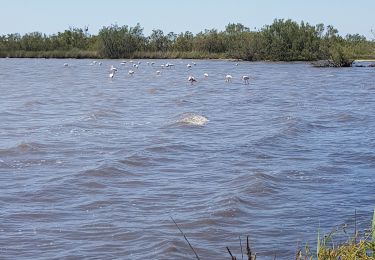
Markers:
52,16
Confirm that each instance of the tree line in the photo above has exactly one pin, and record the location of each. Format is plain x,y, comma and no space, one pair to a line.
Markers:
283,40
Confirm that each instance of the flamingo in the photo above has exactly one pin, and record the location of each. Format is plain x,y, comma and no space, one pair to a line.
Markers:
246,79
131,72
192,79
158,72
205,75
113,71
189,66
228,78
112,74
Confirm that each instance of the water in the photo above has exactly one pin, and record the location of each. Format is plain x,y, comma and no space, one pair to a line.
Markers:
94,168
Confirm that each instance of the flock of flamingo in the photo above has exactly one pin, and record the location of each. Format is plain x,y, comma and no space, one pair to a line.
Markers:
113,70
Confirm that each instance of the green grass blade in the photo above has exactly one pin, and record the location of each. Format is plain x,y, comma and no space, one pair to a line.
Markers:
373,227
373,233
318,245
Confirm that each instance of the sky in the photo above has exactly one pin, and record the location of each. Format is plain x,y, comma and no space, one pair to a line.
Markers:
52,16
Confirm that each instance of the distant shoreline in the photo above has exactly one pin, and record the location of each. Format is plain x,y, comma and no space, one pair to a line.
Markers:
152,56
156,56
365,60
283,40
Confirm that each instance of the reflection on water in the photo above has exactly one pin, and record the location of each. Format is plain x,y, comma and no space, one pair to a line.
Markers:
94,167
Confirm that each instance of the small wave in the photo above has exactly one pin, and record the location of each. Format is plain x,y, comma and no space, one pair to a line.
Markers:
32,103
162,149
101,113
191,119
152,90
104,171
348,117
138,160
321,125
21,148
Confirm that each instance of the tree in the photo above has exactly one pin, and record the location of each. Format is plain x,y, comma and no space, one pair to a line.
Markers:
157,41
184,42
210,41
120,42
237,28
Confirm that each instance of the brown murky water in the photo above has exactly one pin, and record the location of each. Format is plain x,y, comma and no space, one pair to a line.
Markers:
93,167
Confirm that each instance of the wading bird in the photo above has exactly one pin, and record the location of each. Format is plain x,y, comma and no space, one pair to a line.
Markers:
246,79
112,74
191,79
228,78
113,71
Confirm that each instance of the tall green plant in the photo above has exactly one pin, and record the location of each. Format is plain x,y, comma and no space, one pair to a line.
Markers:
373,227
318,244
373,234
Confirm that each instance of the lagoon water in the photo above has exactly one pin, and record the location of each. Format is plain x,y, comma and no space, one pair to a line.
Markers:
94,168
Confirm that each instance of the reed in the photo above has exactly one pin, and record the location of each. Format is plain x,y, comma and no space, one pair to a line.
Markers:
55,54
249,253
355,248
373,227
186,239
318,244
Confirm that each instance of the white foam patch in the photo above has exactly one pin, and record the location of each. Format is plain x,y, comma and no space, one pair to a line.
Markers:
192,119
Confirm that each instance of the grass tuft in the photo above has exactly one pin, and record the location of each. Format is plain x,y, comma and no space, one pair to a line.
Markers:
355,248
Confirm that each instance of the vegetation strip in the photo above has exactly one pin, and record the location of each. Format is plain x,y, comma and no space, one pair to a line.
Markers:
283,40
